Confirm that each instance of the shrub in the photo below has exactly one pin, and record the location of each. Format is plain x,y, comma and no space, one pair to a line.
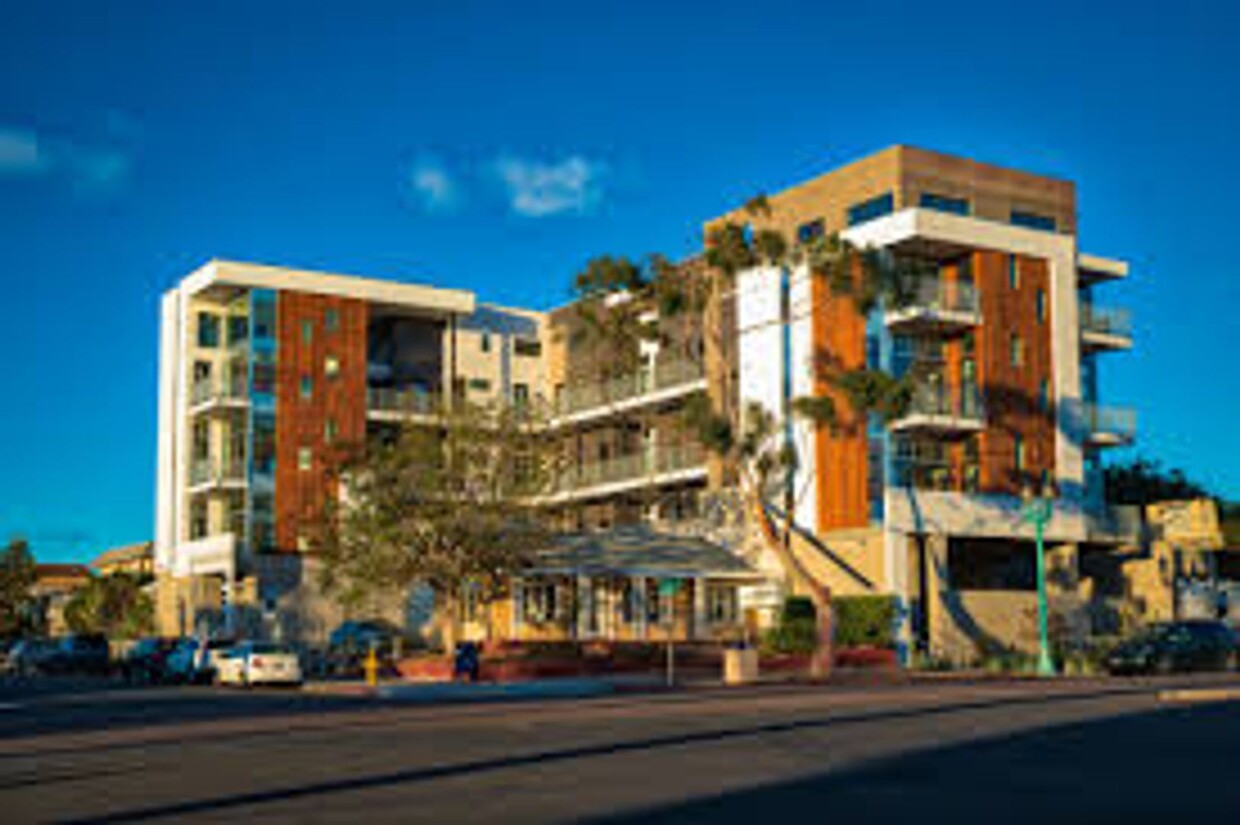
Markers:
798,608
797,631
865,620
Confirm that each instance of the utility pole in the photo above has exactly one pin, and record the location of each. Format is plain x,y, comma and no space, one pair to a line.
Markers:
1038,510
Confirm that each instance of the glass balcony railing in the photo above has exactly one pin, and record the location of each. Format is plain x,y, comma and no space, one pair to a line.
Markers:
1110,424
1106,321
388,399
644,465
943,402
204,471
212,390
663,376
939,296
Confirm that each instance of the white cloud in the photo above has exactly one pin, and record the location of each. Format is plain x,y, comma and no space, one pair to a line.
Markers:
21,154
88,168
536,189
434,187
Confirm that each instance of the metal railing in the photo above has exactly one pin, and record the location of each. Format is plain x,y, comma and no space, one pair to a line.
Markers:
664,375
228,389
940,295
1106,320
387,399
211,471
648,464
1118,422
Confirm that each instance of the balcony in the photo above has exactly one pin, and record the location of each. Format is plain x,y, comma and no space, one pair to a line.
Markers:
942,410
936,307
219,394
1109,426
1104,328
666,465
206,474
665,381
387,403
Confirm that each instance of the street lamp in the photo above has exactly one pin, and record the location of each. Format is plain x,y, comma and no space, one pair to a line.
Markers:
1037,509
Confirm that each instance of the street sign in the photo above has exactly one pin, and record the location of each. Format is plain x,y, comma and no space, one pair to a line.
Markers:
669,587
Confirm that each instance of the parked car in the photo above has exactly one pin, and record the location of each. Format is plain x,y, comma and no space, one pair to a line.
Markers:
146,662
80,653
193,662
258,663
1176,647
350,643
29,657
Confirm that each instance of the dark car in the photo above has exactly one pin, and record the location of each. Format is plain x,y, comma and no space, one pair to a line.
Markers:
350,643
29,657
146,661
81,653
1176,647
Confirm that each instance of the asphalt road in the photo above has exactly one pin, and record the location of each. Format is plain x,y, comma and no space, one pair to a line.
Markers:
953,752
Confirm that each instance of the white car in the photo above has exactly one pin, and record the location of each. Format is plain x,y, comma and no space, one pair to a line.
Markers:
258,663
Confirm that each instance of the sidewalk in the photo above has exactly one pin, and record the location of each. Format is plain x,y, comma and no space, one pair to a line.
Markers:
444,692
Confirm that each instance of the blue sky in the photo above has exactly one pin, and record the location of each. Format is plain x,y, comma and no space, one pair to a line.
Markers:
497,146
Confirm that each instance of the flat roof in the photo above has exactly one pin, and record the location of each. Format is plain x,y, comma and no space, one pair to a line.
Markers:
431,299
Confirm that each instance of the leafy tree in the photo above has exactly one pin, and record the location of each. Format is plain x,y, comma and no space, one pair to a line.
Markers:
451,506
17,577
1144,481
112,605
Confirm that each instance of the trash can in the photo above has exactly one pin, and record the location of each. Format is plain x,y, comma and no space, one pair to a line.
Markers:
740,664
465,664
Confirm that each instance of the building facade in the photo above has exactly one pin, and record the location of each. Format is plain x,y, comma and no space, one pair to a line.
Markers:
265,370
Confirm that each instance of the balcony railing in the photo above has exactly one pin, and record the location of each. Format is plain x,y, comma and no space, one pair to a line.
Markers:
206,471
664,376
936,304
645,465
1110,425
387,399
216,390
943,407
1106,321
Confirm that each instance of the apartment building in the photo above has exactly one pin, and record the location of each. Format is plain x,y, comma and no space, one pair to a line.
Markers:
267,372
1001,339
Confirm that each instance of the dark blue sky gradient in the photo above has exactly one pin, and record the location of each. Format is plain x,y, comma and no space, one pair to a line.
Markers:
139,139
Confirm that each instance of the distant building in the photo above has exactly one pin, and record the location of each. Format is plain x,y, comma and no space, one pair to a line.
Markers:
54,585
135,559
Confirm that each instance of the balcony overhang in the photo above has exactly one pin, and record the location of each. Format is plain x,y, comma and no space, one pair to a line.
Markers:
943,425
941,236
1098,341
1109,438
210,556
1092,269
933,321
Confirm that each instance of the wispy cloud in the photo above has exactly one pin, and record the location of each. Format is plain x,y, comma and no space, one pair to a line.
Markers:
434,186
89,168
537,189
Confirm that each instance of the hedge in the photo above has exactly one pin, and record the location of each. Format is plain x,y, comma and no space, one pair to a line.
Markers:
865,620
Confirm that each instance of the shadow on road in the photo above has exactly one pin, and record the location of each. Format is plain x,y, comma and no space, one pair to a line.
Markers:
1172,765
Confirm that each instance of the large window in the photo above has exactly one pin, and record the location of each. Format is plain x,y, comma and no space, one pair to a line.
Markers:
208,330
721,603
1016,354
810,231
238,329
944,203
1032,220
1013,272
527,347
871,209
1041,306
538,601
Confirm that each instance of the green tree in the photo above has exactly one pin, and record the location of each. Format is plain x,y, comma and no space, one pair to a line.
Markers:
1143,481
115,606
451,506
17,577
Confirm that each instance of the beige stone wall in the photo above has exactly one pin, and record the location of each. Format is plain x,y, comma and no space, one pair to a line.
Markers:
861,551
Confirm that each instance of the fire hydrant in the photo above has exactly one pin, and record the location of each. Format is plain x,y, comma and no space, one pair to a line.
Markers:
372,667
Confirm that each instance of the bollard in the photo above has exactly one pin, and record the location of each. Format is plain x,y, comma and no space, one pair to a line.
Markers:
372,667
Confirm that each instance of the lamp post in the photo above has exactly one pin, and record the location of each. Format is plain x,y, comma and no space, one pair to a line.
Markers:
1038,510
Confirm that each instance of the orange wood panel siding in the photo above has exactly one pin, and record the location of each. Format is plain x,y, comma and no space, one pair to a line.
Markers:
301,422
838,334
1012,393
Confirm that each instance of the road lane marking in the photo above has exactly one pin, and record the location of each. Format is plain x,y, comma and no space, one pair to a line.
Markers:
1200,695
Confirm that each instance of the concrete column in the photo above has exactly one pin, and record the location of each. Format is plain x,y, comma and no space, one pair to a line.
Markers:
518,607
641,609
585,604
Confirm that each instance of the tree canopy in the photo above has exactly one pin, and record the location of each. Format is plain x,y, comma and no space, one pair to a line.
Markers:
1144,481
114,605
17,578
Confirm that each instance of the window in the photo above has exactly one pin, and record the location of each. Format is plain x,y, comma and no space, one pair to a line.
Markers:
331,319
721,604
527,347
1013,272
521,395
1044,395
331,366
306,388
1016,354
479,385
871,209
238,329
305,458
202,371
811,231
1032,220
208,330
307,331
539,602
330,430
485,343
943,203
1018,453
1041,306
